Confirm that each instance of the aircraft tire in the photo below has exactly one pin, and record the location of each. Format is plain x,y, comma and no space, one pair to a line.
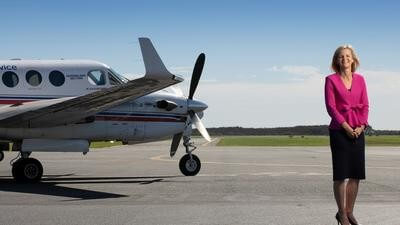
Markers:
1,156
188,166
28,170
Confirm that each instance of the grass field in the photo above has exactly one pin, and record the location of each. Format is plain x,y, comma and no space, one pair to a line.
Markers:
383,140
306,140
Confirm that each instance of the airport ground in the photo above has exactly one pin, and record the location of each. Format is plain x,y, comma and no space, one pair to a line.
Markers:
140,184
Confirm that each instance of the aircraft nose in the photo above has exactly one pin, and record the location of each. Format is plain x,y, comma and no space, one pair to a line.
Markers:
196,106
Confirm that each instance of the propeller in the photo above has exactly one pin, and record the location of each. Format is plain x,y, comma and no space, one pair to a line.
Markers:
175,143
200,127
197,70
194,106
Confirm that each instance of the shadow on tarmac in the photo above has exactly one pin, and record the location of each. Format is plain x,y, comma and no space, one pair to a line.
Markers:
49,185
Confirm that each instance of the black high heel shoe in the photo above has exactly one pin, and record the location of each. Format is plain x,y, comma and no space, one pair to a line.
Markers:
352,222
338,218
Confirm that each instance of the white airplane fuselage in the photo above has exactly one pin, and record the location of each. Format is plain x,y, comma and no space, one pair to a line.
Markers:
136,121
63,105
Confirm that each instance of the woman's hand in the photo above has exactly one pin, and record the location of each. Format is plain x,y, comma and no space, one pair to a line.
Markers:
349,131
358,130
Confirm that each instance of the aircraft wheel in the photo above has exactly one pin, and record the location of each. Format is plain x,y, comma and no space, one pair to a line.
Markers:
1,156
190,166
28,170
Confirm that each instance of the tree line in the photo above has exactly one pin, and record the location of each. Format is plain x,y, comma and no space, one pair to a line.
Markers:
296,130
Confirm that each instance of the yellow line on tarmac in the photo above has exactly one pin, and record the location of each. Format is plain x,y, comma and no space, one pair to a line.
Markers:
162,158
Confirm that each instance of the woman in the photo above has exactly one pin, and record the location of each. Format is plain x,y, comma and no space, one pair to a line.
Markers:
347,104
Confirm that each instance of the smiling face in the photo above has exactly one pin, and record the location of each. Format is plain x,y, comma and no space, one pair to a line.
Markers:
345,59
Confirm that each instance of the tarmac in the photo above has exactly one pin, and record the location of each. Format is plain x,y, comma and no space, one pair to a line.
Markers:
141,184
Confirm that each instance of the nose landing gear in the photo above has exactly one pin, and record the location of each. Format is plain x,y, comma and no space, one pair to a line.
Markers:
189,164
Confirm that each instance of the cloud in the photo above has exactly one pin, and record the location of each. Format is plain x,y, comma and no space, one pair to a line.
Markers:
300,73
132,76
298,103
384,94
262,104
383,82
269,104
302,70
185,71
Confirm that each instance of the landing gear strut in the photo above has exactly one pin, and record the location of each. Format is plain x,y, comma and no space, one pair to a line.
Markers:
189,164
27,170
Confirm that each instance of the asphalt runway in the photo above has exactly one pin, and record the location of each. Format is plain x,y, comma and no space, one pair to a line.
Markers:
140,184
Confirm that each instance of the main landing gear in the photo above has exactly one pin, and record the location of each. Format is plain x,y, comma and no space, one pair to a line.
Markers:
1,156
27,170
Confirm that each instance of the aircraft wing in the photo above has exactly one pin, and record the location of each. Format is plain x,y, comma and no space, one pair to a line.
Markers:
62,111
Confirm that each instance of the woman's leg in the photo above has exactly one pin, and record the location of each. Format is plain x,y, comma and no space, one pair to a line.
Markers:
351,195
339,190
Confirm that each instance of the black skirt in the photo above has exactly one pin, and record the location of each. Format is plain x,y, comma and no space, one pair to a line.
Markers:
348,155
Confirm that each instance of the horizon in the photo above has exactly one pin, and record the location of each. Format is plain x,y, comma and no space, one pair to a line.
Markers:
265,61
289,127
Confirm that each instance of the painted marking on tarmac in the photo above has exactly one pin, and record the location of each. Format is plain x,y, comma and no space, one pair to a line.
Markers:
159,158
162,158
213,141
271,174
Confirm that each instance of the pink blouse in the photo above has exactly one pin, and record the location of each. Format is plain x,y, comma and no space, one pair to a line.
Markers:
346,105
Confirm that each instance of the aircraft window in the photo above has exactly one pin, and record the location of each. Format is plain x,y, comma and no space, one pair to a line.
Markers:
118,76
56,78
96,77
33,77
113,80
10,79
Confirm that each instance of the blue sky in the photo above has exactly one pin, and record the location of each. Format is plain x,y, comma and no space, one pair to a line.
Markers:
266,60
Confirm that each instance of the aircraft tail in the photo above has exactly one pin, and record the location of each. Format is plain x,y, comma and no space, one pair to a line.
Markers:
152,62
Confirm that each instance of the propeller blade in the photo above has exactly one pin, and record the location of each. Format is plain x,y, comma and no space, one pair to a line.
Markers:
197,70
200,127
175,143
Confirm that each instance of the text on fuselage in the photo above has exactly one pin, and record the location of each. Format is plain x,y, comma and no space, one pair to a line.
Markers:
8,67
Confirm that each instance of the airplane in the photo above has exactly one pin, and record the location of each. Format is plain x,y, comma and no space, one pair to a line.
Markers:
64,105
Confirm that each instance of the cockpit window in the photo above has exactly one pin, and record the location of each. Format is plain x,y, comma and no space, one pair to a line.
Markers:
96,77
113,80
121,79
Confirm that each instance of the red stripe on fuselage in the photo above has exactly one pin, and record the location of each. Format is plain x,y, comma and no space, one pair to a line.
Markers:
12,102
145,119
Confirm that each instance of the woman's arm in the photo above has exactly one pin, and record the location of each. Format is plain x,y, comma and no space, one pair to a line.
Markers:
331,103
364,101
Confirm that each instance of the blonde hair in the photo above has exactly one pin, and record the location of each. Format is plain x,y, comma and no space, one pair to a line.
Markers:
335,62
